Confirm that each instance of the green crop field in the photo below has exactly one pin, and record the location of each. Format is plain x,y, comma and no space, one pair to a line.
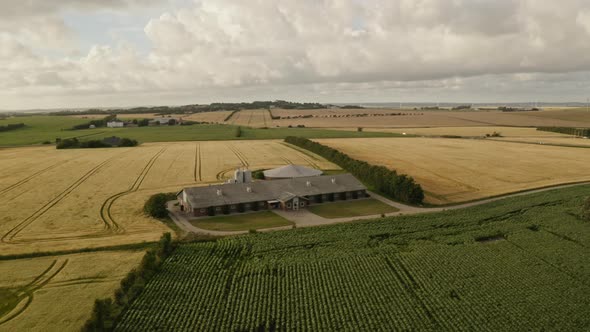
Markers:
363,207
520,264
47,128
243,222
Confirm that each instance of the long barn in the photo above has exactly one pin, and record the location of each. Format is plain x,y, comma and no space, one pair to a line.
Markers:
286,194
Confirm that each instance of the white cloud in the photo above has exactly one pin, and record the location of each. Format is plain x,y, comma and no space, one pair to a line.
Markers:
266,46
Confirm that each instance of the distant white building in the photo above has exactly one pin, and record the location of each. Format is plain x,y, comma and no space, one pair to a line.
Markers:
115,124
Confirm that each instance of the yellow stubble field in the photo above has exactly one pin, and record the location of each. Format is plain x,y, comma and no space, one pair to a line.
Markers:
56,293
456,170
84,198
337,118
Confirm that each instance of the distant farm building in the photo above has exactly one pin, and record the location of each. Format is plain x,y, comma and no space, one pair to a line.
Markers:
115,124
291,172
286,194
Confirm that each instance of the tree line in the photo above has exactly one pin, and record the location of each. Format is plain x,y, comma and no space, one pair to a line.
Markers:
582,132
74,143
96,123
188,109
12,126
107,311
400,187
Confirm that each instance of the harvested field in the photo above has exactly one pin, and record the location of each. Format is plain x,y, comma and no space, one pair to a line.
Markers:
252,118
468,131
70,199
340,118
56,293
550,140
456,170
211,117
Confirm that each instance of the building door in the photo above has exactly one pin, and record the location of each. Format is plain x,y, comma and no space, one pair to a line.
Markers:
295,203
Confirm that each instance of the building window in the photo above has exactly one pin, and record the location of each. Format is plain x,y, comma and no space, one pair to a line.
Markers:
302,204
233,207
218,208
288,205
203,210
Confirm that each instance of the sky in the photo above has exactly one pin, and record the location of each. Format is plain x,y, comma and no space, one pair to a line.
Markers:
120,53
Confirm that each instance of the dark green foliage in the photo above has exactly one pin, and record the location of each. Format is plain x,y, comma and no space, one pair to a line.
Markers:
258,175
156,205
106,311
74,143
12,126
127,142
582,132
586,210
68,143
238,132
359,129
143,122
380,178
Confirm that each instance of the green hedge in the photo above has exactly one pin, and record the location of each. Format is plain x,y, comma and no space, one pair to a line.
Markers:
584,132
397,186
107,311
155,206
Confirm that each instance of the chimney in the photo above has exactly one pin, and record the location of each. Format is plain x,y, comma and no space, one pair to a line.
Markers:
249,189
219,192
333,180
308,183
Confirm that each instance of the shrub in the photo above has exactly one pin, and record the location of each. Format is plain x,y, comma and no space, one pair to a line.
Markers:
586,210
259,175
125,142
156,205
106,311
12,126
238,132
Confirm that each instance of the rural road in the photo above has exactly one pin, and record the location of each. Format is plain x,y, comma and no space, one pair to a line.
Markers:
304,218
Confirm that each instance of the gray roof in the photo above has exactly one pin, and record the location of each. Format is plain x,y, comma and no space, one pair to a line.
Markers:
234,193
291,171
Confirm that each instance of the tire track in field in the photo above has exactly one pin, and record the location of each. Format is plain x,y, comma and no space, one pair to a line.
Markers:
105,210
239,154
7,238
29,178
289,162
304,156
198,163
27,291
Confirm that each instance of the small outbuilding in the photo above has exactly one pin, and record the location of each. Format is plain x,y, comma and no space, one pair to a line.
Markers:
291,172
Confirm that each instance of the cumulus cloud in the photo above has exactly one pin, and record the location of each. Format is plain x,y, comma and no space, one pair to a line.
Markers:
310,45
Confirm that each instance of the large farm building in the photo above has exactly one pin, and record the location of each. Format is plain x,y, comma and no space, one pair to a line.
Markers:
286,194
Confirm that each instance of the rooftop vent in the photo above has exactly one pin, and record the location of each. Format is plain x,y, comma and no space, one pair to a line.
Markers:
308,183
219,192
333,180
249,189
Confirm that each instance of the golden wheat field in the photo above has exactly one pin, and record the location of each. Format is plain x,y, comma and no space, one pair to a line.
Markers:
56,293
337,118
80,198
456,170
